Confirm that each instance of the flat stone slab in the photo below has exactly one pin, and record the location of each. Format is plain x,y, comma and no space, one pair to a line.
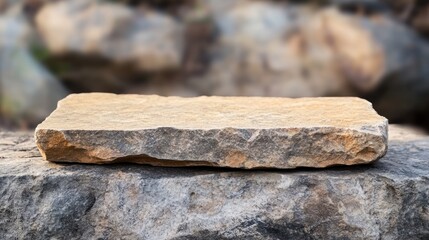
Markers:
385,200
236,132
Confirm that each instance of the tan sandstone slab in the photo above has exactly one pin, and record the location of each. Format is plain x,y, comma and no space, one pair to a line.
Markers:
237,132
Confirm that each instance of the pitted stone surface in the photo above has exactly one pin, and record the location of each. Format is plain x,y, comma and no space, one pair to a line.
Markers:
237,132
385,200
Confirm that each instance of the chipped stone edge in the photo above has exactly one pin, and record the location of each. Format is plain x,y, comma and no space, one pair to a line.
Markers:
70,149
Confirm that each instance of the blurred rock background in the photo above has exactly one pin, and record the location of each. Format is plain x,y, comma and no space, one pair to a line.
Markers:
375,49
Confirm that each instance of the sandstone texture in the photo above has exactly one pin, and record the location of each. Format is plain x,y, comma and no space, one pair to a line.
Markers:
238,132
385,200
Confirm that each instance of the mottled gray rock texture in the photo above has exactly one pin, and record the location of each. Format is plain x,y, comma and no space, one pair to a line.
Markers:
27,89
385,200
238,132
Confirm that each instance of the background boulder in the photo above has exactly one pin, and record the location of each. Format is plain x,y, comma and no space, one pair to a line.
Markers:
375,49
28,91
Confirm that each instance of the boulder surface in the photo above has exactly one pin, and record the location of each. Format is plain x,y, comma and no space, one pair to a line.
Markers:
385,200
149,40
27,89
237,132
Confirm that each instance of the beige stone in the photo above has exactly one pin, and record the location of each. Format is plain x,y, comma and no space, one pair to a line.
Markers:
238,132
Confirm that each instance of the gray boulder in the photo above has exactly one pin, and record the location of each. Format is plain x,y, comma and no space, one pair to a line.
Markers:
27,90
42,200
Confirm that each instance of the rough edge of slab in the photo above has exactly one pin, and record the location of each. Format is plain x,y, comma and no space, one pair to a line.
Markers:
70,152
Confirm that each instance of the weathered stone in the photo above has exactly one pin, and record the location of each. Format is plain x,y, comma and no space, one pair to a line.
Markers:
281,50
149,40
28,91
238,132
385,200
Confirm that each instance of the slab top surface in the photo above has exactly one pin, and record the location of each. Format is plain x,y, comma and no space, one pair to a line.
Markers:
104,111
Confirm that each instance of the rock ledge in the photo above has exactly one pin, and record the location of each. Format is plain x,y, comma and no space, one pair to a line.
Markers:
384,200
